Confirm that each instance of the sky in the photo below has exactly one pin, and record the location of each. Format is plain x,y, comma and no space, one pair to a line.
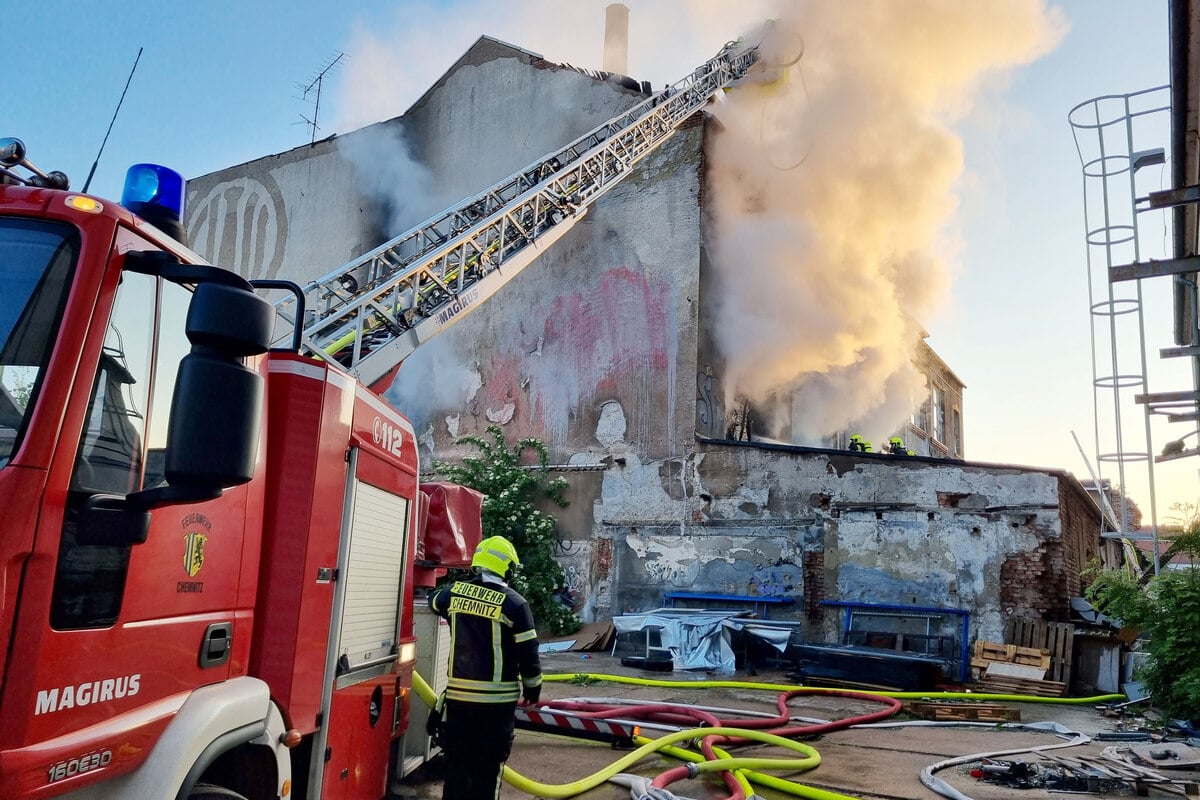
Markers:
220,83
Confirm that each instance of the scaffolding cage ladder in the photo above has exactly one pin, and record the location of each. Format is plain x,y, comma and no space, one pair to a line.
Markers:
1108,132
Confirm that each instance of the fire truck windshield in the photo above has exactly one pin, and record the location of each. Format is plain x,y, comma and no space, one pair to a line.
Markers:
37,260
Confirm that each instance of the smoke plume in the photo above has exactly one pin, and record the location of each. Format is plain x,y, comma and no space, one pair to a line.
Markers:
385,169
831,179
832,188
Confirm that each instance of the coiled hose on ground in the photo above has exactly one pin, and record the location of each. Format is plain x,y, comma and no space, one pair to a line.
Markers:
739,774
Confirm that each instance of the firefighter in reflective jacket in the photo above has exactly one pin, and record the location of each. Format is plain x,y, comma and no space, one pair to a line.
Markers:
859,444
493,663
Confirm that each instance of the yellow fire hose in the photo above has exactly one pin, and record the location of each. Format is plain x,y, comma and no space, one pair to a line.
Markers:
687,755
784,687
808,760
745,770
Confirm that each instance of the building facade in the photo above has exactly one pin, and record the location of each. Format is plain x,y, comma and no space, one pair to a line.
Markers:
602,349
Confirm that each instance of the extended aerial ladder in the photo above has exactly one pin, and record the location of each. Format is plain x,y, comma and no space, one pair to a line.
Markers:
371,313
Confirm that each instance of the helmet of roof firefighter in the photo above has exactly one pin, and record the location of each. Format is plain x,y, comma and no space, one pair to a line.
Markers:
495,554
896,440
856,438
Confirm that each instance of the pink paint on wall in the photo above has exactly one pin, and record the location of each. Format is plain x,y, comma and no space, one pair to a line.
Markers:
614,337
622,323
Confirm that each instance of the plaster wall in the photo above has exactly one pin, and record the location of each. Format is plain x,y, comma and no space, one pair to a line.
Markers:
591,348
814,525
497,110
296,215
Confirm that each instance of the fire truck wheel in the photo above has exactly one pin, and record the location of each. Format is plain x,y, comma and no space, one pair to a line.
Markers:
205,791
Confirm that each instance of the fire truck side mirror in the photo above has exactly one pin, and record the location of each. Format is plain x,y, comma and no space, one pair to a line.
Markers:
229,321
216,412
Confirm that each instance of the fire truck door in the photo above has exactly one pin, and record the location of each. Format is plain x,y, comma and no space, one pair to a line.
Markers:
129,626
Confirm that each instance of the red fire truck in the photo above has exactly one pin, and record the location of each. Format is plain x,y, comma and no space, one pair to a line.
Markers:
207,549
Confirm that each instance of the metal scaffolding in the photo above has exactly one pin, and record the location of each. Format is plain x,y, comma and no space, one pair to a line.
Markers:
1109,133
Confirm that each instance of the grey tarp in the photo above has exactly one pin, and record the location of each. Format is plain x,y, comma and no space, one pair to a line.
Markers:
697,639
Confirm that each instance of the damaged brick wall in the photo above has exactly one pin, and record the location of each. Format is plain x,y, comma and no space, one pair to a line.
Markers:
1081,543
985,539
814,584
1026,584
764,561
1041,582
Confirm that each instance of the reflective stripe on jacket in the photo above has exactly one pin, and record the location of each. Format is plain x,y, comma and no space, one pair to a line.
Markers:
493,644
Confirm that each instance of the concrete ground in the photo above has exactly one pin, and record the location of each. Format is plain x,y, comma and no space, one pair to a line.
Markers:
862,762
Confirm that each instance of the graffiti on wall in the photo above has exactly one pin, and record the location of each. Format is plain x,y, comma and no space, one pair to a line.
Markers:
710,419
574,588
241,225
775,580
670,572
604,337
541,369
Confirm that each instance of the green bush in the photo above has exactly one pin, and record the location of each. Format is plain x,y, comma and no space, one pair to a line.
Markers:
510,486
1166,610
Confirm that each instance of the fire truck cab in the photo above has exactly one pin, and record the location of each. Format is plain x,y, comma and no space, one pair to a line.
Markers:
206,547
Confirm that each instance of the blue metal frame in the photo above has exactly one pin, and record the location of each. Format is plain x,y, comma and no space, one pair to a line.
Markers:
760,601
964,662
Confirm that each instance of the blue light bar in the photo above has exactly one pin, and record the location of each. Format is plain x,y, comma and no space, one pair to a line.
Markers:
154,183
156,194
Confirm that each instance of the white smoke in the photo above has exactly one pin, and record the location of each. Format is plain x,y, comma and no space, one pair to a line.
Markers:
391,64
832,188
385,170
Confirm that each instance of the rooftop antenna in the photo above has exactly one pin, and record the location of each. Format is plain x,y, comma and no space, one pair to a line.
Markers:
313,90
128,80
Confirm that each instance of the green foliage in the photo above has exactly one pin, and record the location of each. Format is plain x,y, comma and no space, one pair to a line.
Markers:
510,485
583,679
19,383
1166,610
1187,543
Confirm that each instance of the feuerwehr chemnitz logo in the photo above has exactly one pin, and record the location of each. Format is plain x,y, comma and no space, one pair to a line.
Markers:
195,542
193,553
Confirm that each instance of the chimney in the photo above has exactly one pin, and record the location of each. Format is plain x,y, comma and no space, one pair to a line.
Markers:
616,39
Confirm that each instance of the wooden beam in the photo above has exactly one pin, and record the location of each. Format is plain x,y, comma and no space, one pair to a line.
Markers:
1175,197
1166,397
1153,269
1173,456
1175,352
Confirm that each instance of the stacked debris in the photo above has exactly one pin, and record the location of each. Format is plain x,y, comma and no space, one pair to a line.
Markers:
1173,768
1010,669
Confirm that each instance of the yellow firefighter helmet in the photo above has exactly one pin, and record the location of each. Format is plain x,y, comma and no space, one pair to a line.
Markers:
495,554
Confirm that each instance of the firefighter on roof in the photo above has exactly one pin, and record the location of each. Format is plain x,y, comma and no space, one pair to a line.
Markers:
896,447
859,444
493,663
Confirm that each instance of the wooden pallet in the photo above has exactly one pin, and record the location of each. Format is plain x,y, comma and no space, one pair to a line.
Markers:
1009,654
965,712
1001,684
1055,637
